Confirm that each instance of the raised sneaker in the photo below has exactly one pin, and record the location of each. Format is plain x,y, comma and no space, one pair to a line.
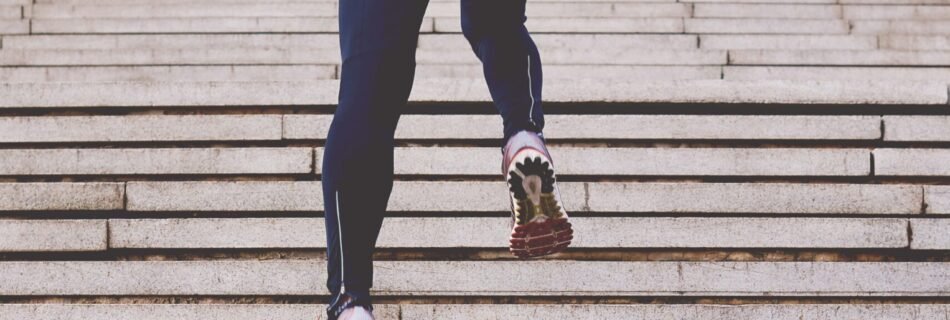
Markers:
539,223
347,307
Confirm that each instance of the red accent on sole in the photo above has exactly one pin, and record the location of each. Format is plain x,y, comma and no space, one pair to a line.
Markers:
540,238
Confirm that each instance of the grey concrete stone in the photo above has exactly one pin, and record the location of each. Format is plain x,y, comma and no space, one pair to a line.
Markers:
752,26
183,311
892,2
781,11
325,92
155,161
809,198
272,277
914,42
934,27
458,232
168,73
916,128
840,57
217,233
10,26
652,10
617,126
10,11
554,71
606,25
935,74
173,41
140,128
911,162
554,41
916,12
643,161
186,25
764,1
675,311
224,196
471,196
465,278
930,234
132,94
787,42
42,196
52,235
197,56
190,10
937,198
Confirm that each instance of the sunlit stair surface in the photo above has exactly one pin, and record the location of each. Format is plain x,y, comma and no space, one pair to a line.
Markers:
720,159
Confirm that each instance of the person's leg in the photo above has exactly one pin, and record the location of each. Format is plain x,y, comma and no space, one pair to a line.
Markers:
512,66
511,62
378,40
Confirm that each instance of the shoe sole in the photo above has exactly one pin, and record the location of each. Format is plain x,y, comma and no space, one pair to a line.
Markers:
539,229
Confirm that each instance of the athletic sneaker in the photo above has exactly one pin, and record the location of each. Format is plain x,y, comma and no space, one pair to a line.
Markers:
347,307
539,222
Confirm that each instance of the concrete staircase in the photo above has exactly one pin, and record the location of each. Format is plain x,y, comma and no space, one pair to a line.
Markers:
722,159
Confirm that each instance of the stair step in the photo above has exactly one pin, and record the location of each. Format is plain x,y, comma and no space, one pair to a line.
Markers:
53,235
65,196
787,42
258,127
836,73
291,311
325,92
930,27
457,232
480,278
472,196
173,73
840,57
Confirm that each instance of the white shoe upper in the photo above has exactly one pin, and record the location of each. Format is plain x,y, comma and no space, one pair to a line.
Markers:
356,313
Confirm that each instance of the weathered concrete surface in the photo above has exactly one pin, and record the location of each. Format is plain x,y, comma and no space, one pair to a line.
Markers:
196,10
937,198
479,311
934,27
276,160
217,233
538,278
41,196
616,126
765,25
839,57
224,196
642,161
787,42
755,198
935,74
930,234
916,128
914,42
325,92
168,73
52,235
766,10
183,311
490,196
172,41
454,232
677,311
141,128
911,162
